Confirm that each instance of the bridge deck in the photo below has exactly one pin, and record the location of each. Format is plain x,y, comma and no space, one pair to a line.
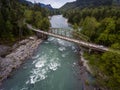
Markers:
80,42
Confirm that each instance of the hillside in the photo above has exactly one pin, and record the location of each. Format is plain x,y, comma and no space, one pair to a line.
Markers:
89,3
48,6
13,15
99,21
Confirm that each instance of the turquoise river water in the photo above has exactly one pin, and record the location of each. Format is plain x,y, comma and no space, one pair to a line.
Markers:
54,66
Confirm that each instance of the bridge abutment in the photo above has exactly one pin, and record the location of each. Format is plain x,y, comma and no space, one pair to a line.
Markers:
42,36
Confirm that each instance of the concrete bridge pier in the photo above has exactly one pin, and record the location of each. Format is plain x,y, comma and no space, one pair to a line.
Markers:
38,35
42,36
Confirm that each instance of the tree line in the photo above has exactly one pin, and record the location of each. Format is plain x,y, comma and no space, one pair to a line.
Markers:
101,24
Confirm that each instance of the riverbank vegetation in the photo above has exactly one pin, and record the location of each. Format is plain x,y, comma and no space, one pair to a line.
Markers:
14,15
105,68
101,25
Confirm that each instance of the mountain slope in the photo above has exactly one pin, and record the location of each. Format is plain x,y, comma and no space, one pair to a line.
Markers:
69,5
89,3
48,6
26,2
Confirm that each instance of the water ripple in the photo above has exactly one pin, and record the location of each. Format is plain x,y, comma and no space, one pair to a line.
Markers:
42,67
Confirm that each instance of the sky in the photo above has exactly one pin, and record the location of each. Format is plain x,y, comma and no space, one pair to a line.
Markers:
54,3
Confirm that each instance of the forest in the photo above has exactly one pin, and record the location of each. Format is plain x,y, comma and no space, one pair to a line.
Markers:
101,25
14,16
81,4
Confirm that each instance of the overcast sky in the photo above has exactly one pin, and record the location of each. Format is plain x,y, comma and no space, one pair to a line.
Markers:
54,3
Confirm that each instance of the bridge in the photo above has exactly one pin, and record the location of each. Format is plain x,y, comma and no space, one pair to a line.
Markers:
70,39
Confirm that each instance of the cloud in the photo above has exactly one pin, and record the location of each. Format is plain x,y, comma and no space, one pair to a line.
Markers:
54,3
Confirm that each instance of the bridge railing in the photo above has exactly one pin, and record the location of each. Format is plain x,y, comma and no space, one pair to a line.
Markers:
81,42
62,31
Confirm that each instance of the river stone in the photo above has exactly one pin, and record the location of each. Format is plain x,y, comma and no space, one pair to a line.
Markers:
21,51
4,49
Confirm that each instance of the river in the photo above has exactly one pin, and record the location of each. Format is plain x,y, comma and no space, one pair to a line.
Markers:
54,66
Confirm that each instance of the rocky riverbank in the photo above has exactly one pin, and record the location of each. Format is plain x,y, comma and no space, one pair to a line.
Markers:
4,50
85,69
19,52
84,73
85,62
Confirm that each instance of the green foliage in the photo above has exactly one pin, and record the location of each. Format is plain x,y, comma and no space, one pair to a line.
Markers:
28,15
111,69
78,4
99,13
89,27
45,24
102,26
13,16
105,68
109,34
77,33
37,19
75,26
116,46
